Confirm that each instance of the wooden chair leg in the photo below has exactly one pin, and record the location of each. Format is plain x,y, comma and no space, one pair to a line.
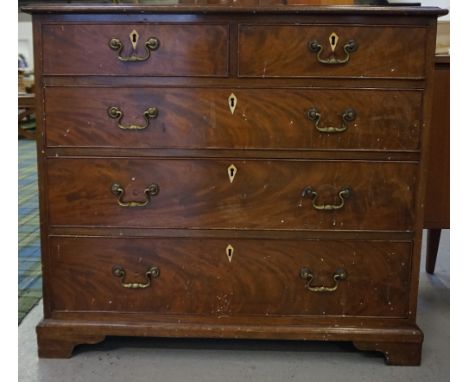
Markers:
433,239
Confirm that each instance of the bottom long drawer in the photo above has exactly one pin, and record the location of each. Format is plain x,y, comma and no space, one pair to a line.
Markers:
221,277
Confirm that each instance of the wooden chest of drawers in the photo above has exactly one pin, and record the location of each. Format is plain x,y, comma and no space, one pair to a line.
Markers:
232,171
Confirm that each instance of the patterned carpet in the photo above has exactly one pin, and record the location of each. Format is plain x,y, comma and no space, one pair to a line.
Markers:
29,252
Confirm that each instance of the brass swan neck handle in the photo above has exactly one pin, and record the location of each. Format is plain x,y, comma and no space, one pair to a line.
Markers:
116,113
348,115
119,272
344,193
118,190
306,274
350,47
150,45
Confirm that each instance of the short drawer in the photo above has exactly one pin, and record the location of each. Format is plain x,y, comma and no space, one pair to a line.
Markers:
200,118
139,49
237,194
331,51
260,277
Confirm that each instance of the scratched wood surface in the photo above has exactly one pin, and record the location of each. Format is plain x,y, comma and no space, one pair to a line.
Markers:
265,194
186,50
276,51
261,279
262,118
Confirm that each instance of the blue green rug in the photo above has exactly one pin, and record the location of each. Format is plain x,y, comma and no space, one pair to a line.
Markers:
29,250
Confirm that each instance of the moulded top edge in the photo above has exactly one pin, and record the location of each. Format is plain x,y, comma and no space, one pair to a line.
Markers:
87,8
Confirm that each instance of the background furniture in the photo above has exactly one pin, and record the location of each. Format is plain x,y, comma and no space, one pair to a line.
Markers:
26,108
437,204
232,171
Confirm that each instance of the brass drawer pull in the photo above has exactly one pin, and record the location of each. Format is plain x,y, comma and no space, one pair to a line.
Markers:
119,272
151,44
309,192
115,113
350,47
348,115
117,190
306,274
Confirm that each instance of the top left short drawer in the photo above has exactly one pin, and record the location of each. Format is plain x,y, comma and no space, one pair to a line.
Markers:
136,49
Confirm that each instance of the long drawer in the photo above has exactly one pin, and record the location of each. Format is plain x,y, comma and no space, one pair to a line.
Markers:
135,50
331,51
234,194
259,277
261,118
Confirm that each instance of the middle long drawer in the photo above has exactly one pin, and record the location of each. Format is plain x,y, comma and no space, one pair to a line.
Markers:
231,194
330,119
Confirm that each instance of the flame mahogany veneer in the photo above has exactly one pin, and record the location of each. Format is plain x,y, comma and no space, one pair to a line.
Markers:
252,172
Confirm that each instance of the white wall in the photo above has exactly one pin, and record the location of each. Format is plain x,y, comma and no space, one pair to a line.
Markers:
25,38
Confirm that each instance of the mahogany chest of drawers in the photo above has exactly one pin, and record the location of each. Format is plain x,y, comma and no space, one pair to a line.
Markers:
232,171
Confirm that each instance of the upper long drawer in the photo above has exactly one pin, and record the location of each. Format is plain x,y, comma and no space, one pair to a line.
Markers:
331,51
195,118
140,49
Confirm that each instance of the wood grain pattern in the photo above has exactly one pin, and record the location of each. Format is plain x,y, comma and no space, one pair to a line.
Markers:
263,118
264,194
282,51
261,279
185,50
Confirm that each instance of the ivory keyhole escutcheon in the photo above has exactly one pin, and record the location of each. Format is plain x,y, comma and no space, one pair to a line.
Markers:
232,171
229,252
333,41
232,101
134,38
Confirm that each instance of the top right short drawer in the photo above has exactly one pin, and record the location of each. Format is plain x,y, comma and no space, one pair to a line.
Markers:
331,51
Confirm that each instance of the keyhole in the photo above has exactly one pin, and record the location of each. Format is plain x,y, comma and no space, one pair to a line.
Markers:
232,171
232,102
134,38
230,252
333,39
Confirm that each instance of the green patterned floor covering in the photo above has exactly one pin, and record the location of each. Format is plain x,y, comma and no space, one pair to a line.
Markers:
29,252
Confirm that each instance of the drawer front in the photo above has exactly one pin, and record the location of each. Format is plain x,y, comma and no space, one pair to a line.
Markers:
285,51
237,194
262,277
201,118
160,49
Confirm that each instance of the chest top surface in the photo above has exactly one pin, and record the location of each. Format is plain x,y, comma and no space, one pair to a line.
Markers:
357,7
